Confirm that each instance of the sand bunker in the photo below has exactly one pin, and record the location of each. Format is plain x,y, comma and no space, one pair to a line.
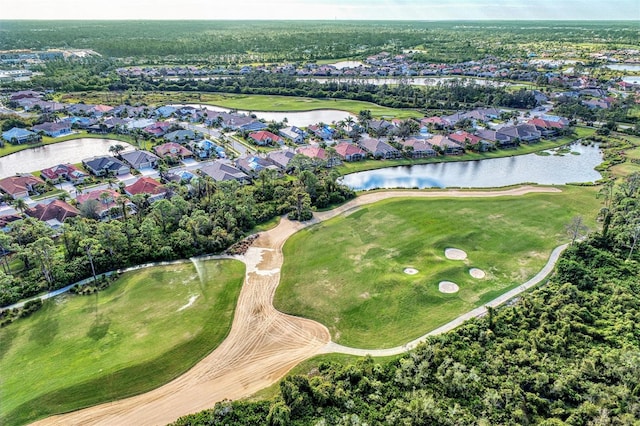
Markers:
455,254
448,287
410,271
476,273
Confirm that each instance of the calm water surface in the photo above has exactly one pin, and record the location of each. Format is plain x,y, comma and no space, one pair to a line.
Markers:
294,118
73,151
495,172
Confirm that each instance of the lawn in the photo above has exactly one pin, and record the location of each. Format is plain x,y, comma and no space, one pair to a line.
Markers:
348,273
248,102
138,334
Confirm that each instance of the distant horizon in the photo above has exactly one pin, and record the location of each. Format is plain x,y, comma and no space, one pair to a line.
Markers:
325,10
311,20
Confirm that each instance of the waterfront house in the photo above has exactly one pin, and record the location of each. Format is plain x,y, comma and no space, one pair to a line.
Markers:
18,136
53,129
63,172
105,165
418,148
350,152
379,149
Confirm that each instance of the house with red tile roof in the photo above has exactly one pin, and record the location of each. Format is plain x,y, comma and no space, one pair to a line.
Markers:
20,186
313,152
435,121
463,138
546,127
54,213
106,202
350,152
265,137
63,172
147,185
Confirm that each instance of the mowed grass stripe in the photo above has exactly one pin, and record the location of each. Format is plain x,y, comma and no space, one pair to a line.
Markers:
132,337
347,273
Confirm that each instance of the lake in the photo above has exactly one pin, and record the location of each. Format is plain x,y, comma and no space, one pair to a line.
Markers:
73,151
623,67
495,172
347,64
294,118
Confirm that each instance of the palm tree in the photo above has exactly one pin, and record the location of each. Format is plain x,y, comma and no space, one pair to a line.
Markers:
20,205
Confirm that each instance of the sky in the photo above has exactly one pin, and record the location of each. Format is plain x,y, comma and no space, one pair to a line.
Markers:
422,10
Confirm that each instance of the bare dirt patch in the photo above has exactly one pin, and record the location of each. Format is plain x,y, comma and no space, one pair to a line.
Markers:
448,287
263,344
477,273
455,254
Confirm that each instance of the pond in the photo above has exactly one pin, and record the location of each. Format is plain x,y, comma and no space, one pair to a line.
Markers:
347,64
623,67
294,118
496,172
73,151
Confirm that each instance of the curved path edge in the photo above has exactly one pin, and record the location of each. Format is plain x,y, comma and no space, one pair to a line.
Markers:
263,344
332,347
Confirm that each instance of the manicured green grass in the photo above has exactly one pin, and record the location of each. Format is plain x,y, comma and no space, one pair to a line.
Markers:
250,102
348,273
134,336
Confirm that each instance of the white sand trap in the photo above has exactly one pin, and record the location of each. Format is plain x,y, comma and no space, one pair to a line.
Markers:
455,254
189,303
448,287
477,273
410,271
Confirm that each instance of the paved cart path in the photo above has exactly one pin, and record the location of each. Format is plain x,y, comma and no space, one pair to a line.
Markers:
263,343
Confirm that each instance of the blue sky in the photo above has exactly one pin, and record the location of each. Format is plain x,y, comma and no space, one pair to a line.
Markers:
425,10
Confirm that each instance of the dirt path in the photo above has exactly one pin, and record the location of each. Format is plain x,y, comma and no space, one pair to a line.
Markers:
263,344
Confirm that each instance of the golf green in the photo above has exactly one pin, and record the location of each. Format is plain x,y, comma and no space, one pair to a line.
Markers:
350,273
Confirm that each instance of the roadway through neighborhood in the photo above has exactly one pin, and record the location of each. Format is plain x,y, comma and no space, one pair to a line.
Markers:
263,343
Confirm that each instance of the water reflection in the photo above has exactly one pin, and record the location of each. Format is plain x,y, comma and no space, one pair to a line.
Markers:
73,151
530,168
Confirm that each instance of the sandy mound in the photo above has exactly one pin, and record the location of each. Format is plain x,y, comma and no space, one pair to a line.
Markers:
477,273
448,287
455,254
410,271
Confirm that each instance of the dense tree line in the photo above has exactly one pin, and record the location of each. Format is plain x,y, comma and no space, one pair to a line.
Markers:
207,218
566,353
230,42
